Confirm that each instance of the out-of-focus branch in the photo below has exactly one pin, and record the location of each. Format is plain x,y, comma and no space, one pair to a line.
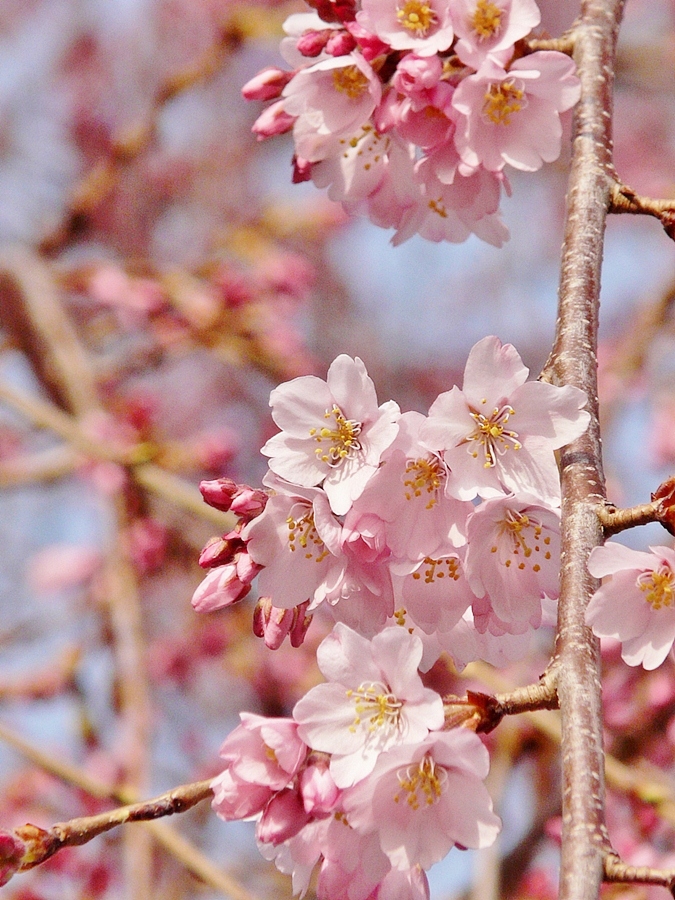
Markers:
573,362
102,178
179,847
41,844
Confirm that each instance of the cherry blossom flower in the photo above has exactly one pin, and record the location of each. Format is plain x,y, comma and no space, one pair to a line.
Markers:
338,94
513,556
453,211
636,605
499,432
374,698
408,492
514,116
424,26
424,798
297,542
333,432
491,27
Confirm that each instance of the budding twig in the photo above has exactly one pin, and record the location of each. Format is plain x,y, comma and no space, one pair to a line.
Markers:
618,871
624,199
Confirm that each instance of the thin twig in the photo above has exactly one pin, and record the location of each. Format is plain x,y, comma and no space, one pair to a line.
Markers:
626,200
619,871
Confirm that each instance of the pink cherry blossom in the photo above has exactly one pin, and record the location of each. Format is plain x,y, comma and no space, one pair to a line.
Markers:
513,556
272,120
333,432
337,95
453,211
297,541
514,116
499,432
424,26
408,492
491,27
424,798
374,698
636,605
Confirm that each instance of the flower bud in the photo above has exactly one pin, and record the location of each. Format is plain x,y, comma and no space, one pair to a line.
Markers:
219,551
219,493
340,43
267,84
273,120
248,502
319,791
302,170
12,851
311,42
282,818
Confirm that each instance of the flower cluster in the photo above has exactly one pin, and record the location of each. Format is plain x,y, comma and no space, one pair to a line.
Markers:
409,110
417,535
361,780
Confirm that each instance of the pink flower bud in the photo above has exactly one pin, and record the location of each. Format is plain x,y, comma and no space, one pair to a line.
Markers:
273,624
301,623
319,791
12,851
311,43
219,493
267,84
340,43
220,550
282,818
369,45
246,568
248,502
221,587
302,170
273,120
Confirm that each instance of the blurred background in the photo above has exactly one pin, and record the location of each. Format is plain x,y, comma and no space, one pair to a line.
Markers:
159,275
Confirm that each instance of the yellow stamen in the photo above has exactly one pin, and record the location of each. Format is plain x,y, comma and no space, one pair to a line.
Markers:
375,703
302,533
487,19
343,438
657,586
423,783
501,100
492,434
428,475
350,80
417,17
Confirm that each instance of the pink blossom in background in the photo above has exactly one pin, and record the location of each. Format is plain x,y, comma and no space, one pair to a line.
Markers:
62,566
333,432
636,604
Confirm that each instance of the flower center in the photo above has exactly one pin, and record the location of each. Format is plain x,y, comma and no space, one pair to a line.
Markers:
342,439
417,17
427,475
438,207
376,706
445,567
302,534
657,586
350,80
492,434
422,783
487,19
501,100
523,536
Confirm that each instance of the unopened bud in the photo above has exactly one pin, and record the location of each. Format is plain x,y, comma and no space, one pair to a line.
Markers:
319,791
267,84
219,551
282,818
302,170
340,43
272,121
273,623
219,493
312,42
249,502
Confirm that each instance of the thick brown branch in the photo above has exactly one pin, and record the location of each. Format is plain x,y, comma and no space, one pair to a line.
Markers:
573,362
41,844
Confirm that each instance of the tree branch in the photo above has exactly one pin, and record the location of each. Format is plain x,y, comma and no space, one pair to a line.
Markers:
625,200
573,362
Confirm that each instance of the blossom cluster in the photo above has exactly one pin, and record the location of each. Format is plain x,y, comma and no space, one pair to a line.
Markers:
410,110
417,535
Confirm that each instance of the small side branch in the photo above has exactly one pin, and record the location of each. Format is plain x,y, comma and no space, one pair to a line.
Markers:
623,199
618,871
483,712
41,844
661,509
